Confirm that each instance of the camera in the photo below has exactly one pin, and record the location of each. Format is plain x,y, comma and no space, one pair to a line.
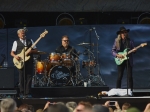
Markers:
112,103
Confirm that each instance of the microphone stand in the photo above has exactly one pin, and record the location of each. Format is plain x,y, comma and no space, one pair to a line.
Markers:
79,77
24,67
127,64
97,56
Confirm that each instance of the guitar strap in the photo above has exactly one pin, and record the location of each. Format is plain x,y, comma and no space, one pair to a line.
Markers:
121,45
28,43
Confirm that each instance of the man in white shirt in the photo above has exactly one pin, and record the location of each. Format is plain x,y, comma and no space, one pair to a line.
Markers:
27,69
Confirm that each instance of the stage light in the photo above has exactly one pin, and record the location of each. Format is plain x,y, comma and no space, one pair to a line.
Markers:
21,23
144,18
123,21
2,21
65,19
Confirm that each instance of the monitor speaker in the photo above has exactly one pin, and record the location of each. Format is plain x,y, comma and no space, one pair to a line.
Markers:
7,77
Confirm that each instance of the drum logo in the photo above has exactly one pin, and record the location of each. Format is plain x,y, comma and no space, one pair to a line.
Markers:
59,74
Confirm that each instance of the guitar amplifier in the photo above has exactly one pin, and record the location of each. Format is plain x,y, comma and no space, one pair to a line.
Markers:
7,77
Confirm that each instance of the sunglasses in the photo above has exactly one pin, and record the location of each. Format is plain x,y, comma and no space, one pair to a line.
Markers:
65,40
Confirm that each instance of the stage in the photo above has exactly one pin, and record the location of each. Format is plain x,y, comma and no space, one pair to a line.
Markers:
140,97
67,91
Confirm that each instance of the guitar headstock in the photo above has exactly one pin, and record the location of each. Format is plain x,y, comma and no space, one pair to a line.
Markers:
44,33
143,44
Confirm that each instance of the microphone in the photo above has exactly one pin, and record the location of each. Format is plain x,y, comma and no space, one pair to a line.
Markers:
25,29
91,29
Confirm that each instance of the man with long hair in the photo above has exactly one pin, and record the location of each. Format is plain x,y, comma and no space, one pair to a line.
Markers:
121,43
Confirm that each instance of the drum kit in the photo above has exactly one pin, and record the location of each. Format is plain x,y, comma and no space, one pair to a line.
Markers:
62,69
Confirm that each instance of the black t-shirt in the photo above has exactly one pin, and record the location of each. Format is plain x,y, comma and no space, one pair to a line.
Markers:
69,50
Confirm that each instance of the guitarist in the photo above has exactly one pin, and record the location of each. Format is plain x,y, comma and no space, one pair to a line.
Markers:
121,43
17,47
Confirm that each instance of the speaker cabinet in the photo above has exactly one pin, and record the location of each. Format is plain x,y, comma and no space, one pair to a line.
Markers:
7,77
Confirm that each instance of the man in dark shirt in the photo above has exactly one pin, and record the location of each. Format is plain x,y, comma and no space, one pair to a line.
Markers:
66,48
68,54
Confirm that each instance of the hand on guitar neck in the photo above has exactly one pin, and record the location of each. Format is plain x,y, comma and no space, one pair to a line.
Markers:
134,50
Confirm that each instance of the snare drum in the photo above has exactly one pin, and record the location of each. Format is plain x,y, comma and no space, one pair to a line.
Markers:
67,60
43,66
60,75
55,58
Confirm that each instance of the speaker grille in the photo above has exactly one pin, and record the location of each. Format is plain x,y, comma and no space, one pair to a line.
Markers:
7,77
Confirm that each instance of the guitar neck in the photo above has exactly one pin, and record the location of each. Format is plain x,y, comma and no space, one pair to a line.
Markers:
134,48
33,45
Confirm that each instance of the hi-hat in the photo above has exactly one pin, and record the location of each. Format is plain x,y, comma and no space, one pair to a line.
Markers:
88,44
40,52
84,43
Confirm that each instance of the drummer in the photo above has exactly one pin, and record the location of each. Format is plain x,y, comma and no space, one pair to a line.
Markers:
65,48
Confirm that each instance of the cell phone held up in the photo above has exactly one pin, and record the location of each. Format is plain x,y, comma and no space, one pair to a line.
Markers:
112,103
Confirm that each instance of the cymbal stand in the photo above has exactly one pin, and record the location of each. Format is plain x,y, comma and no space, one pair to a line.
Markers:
90,56
79,77
35,79
45,78
98,67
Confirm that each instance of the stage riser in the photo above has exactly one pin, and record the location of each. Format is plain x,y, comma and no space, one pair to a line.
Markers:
6,77
67,91
141,92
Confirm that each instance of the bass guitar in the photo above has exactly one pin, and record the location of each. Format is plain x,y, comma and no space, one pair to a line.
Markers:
24,53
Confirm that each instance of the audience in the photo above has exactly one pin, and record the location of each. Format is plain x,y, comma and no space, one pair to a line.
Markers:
100,108
9,105
83,107
57,108
71,105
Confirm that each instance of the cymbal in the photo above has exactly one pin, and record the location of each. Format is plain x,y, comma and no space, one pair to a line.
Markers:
84,43
88,44
93,44
40,52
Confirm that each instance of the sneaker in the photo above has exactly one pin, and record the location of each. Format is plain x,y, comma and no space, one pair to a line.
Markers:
28,96
21,95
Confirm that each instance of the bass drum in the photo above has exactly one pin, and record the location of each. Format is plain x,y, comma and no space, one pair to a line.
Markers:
60,75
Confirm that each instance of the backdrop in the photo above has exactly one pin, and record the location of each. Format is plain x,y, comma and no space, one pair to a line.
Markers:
78,34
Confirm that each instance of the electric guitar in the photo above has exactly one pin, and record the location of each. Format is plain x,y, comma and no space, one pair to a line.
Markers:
24,53
119,61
